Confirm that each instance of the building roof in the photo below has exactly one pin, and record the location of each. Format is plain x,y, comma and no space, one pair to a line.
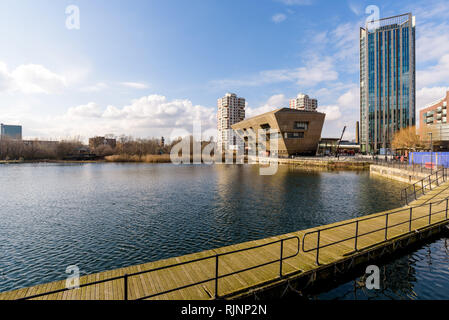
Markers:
283,110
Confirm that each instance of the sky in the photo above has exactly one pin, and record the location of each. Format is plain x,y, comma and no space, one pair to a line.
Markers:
150,68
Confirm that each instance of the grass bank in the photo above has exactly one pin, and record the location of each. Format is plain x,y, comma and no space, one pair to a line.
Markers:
149,158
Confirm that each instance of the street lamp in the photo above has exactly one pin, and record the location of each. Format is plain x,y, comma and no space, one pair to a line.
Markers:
431,149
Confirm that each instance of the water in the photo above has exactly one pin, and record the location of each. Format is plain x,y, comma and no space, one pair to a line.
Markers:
418,275
106,216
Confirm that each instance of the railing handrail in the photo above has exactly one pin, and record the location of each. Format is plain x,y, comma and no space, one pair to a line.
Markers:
359,220
281,241
415,167
420,183
216,278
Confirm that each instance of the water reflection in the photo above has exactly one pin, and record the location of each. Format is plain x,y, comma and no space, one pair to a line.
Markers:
105,216
416,275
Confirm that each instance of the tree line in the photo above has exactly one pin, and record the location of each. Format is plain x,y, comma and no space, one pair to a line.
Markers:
127,148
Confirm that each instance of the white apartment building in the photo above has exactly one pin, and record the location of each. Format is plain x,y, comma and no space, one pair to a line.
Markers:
231,109
303,102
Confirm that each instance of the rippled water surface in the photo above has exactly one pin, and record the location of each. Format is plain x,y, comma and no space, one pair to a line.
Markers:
105,216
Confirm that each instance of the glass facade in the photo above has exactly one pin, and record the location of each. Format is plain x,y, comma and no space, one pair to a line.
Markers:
10,132
387,80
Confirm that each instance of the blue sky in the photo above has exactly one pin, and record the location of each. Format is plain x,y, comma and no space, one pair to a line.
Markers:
144,68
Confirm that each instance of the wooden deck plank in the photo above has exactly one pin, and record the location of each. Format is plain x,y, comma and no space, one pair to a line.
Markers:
166,279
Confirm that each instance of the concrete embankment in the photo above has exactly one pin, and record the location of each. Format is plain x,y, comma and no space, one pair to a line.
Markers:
324,163
267,267
403,175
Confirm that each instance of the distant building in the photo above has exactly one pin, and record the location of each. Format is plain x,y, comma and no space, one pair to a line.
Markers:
299,131
41,143
10,132
434,113
328,147
231,110
303,102
95,142
387,80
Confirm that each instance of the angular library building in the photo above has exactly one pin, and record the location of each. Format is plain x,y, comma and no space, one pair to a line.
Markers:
298,131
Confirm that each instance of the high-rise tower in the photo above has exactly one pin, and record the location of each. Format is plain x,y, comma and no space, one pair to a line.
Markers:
387,80
231,109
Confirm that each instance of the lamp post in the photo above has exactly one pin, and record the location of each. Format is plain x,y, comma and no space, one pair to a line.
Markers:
431,149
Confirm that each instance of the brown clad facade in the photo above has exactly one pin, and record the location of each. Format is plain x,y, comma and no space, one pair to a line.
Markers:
300,131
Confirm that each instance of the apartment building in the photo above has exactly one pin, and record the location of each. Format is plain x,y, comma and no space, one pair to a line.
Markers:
303,102
231,110
435,112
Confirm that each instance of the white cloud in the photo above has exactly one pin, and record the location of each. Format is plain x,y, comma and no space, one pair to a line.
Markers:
96,87
148,116
343,112
350,100
424,96
314,72
278,18
332,112
134,85
432,41
432,10
5,78
30,79
274,102
90,110
435,74
356,8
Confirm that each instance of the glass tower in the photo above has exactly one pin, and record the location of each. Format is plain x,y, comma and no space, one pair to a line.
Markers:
387,80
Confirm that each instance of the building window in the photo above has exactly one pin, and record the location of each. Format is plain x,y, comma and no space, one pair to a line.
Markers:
294,135
301,125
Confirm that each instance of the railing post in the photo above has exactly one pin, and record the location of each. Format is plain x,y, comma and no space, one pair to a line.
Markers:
422,186
410,225
386,227
430,183
125,285
356,234
447,203
216,276
282,253
430,213
414,190
437,178
318,248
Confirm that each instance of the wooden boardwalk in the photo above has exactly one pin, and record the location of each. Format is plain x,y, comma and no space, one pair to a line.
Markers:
146,284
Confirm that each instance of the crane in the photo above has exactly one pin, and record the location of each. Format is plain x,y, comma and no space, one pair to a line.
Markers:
339,141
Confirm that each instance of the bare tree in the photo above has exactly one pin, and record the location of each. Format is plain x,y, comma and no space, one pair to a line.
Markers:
408,139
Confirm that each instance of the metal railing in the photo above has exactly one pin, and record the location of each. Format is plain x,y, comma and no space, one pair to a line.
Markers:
414,167
357,235
215,257
418,188
436,177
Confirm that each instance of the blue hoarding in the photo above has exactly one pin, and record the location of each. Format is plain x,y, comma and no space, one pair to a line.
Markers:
436,158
